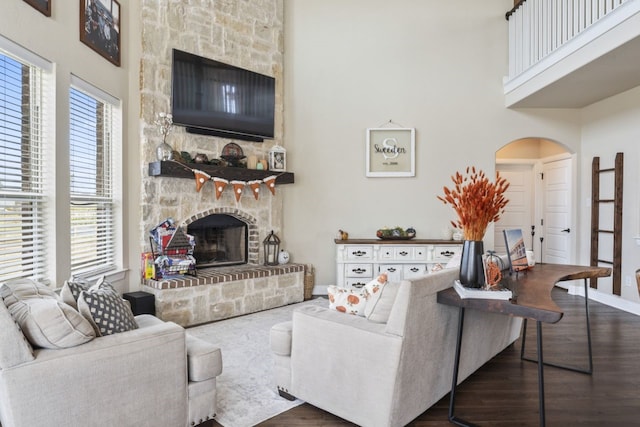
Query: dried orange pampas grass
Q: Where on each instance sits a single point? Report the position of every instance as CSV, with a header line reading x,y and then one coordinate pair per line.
x,y
476,201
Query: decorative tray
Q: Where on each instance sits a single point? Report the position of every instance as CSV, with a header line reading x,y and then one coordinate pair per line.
x,y
396,233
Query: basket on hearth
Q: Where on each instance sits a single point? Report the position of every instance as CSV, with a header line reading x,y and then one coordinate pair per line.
x,y
309,281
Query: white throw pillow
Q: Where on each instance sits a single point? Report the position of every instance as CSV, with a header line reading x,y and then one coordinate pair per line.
x,y
45,321
350,301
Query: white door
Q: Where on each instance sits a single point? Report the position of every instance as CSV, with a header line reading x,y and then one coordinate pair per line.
x,y
556,212
519,212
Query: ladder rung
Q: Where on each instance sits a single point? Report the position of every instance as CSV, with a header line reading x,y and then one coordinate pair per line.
x,y
605,262
605,200
606,170
605,231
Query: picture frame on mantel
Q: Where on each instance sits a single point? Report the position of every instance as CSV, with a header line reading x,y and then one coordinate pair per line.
x,y
100,27
391,152
42,6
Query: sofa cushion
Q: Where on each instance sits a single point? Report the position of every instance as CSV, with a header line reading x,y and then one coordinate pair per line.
x,y
350,301
106,310
381,301
204,360
15,348
45,321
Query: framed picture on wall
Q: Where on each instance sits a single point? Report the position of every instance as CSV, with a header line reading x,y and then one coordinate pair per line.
x,y
42,6
100,27
391,152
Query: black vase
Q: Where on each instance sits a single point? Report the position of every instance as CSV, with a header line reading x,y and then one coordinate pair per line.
x,y
471,272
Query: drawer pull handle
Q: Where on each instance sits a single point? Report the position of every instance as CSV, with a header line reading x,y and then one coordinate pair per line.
x,y
357,285
359,270
404,253
414,269
391,270
446,253
358,253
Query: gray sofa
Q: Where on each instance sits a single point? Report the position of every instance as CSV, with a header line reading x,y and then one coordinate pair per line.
x,y
384,374
156,375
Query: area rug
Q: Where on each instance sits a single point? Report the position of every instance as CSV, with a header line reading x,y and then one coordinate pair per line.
x,y
245,389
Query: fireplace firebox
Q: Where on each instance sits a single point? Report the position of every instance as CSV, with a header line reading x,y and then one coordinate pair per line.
x,y
221,240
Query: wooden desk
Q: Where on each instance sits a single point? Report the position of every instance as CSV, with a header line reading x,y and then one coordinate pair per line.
x,y
532,300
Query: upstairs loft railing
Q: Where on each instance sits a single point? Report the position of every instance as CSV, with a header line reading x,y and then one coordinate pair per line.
x,y
538,28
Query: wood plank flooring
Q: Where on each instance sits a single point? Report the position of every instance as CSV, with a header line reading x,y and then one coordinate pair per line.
x,y
504,392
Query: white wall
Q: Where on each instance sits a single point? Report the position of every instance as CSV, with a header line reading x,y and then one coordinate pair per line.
x,y
611,126
436,66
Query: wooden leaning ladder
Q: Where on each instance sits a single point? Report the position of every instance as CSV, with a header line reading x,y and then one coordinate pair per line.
x,y
596,230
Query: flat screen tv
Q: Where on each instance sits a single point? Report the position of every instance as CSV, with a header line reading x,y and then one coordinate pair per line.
x,y
213,98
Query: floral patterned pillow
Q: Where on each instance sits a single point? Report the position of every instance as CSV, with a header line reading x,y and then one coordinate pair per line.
x,y
350,301
354,301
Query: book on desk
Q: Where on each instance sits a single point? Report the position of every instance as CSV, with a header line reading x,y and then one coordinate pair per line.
x,y
494,292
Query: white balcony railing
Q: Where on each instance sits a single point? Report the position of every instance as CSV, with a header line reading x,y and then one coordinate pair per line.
x,y
537,28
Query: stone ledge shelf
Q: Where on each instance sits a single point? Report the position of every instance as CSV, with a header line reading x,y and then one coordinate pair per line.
x,y
224,292
174,169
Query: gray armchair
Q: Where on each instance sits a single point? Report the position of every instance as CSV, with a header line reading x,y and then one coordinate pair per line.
x,y
156,375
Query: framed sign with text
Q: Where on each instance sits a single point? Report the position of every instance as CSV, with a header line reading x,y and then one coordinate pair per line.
x,y
391,152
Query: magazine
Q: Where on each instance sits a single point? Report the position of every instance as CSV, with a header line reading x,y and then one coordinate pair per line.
x,y
494,292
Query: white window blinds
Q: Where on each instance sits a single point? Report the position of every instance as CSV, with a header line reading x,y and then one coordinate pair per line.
x,y
93,231
22,202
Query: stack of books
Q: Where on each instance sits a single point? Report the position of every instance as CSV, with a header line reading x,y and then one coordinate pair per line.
x,y
495,292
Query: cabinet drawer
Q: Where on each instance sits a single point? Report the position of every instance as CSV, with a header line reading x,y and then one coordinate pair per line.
x,y
445,253
356,283
394,271
359,252
397,253
420,253
410,271
358,270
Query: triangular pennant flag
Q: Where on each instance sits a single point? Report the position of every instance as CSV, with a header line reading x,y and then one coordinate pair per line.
x,y
201,178
219,183
255,187
238,186
271,183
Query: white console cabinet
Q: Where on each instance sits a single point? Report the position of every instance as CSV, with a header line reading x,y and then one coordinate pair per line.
x,y
358,261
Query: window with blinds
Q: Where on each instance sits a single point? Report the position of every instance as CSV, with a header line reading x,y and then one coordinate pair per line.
x,y
22,202
93,231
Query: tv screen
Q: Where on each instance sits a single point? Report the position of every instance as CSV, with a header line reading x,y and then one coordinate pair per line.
x,y
214,98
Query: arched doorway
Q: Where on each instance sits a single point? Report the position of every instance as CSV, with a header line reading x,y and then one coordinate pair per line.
x,y
541,198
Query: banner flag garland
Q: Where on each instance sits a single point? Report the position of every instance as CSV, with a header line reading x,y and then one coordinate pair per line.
x,y
238,186
201,178
220,184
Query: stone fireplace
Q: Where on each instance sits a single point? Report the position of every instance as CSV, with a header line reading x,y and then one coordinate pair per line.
x,y
231,280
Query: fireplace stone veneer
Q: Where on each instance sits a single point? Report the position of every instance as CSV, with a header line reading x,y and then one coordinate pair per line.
x,y
224,292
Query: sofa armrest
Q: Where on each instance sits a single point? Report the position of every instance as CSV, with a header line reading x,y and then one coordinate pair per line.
x,y
340,360
122,379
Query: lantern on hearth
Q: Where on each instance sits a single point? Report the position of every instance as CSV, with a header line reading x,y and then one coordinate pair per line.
x,y
271,249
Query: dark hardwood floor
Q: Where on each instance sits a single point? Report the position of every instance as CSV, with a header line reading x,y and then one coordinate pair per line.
x,y
504,392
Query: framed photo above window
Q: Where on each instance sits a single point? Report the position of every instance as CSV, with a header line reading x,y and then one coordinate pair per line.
x,y
42,6
391,152
100,27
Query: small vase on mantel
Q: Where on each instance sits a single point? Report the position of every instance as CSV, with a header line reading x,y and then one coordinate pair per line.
x,y
471,272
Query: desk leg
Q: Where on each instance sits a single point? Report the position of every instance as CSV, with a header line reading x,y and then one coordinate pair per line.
x,y
569,368
452,400
540,374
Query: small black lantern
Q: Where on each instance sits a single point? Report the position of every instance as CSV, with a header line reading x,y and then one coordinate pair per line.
x,y
271,249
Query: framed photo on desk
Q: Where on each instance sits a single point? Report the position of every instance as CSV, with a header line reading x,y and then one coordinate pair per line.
x,y
516,250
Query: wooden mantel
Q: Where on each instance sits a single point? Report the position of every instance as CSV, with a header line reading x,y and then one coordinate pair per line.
x,y
171,168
